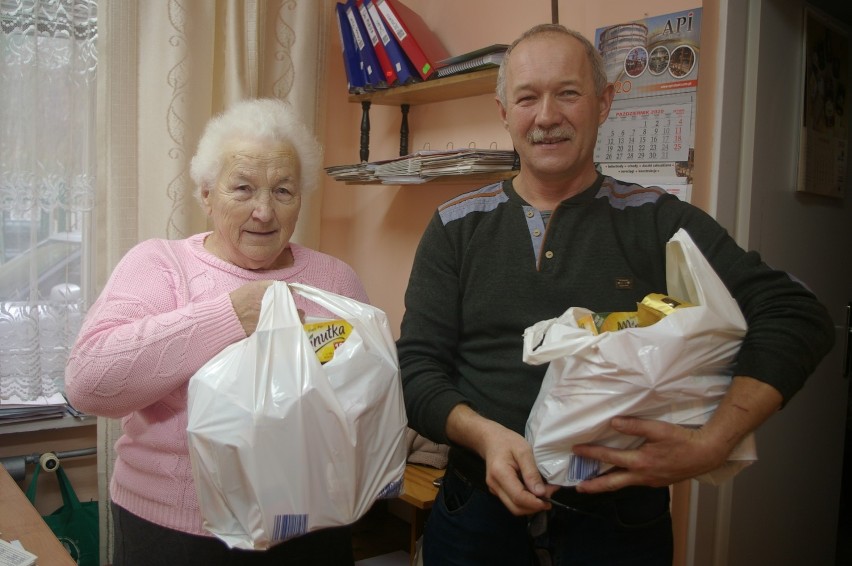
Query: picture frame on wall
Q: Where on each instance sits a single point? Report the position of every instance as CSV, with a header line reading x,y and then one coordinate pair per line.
x,y
824,138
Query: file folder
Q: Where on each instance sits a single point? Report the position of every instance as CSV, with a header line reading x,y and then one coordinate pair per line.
x,y
419,43
351,60
378,47
405,71
372,69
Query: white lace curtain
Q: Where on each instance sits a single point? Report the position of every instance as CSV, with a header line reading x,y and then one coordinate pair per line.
x,y
48,61
165,67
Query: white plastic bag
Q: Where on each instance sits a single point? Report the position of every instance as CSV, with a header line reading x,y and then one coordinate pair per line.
x,y
676,370
282,445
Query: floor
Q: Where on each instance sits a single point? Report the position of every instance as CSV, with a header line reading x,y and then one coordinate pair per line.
x,y
381,538
379,533
398,558
844,522
843,556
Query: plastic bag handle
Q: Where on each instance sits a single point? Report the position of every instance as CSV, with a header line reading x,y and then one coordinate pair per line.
x,y
690,277
338,304
31,489
353,311
69,496
286,315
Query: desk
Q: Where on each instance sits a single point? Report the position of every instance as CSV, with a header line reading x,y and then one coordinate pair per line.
x,y
19,520
419,492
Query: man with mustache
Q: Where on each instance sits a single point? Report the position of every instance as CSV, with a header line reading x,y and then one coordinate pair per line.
x,y
496,260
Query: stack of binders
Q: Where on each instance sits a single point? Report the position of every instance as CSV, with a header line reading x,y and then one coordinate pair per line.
x,y
385,44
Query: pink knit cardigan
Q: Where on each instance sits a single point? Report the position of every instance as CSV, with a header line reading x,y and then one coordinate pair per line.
x,y
163,314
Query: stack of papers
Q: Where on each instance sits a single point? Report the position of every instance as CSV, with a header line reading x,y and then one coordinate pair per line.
x,y
466,162
425,165
13,554
355,173
484,58
15,410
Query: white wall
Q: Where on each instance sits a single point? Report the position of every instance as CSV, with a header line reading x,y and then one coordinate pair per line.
x,y
783,510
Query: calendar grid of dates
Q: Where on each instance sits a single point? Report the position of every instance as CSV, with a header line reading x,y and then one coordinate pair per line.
x,y
645,134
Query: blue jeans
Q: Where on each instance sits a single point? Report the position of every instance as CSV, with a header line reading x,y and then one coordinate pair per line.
x,y
468,526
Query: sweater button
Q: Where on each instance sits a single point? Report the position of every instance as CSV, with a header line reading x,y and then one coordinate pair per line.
x,y
548,254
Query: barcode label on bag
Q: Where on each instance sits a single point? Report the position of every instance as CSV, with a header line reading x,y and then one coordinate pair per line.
x,y
391,490
580,468
285,527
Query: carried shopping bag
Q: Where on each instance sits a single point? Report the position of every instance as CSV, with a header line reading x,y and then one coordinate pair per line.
x,y
75,524
282,444
675,370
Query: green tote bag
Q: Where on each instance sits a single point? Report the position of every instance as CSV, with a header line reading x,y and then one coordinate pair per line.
x,y
75,524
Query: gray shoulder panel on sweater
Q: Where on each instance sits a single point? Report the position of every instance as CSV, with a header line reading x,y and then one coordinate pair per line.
x,y
621,195
484,199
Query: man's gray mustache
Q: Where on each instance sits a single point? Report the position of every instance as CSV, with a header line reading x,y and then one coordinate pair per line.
x,y
538,135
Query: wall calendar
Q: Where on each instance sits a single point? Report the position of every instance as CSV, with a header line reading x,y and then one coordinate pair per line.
x,y
649,137
645,134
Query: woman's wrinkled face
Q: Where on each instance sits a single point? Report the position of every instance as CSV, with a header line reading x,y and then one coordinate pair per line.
x,y
254,204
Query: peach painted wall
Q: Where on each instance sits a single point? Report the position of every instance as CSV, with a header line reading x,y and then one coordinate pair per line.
x,y
376,228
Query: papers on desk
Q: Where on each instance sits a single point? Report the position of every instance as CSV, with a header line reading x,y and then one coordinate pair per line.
x,y
425,165
16,410
13,554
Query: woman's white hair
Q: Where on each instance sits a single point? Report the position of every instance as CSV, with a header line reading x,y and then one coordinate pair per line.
x,y
266,120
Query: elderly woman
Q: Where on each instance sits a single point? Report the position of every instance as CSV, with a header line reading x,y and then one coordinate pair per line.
x,y
171,305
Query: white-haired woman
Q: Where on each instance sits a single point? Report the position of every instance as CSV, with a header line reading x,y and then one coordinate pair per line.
x,y
171,305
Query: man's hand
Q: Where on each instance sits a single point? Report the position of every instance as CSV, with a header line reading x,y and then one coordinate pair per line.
x,y
511,473
673,453
670,454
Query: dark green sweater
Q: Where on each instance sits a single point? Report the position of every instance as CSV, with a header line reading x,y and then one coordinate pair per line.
x,y
486,269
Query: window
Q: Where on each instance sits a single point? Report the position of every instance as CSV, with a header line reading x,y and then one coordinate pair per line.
x,y
48,62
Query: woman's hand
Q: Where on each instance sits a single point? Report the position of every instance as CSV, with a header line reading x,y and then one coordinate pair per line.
x,y
246,301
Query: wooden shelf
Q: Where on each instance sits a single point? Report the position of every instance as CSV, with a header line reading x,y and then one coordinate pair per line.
x,y
479,179
66,421
433,90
